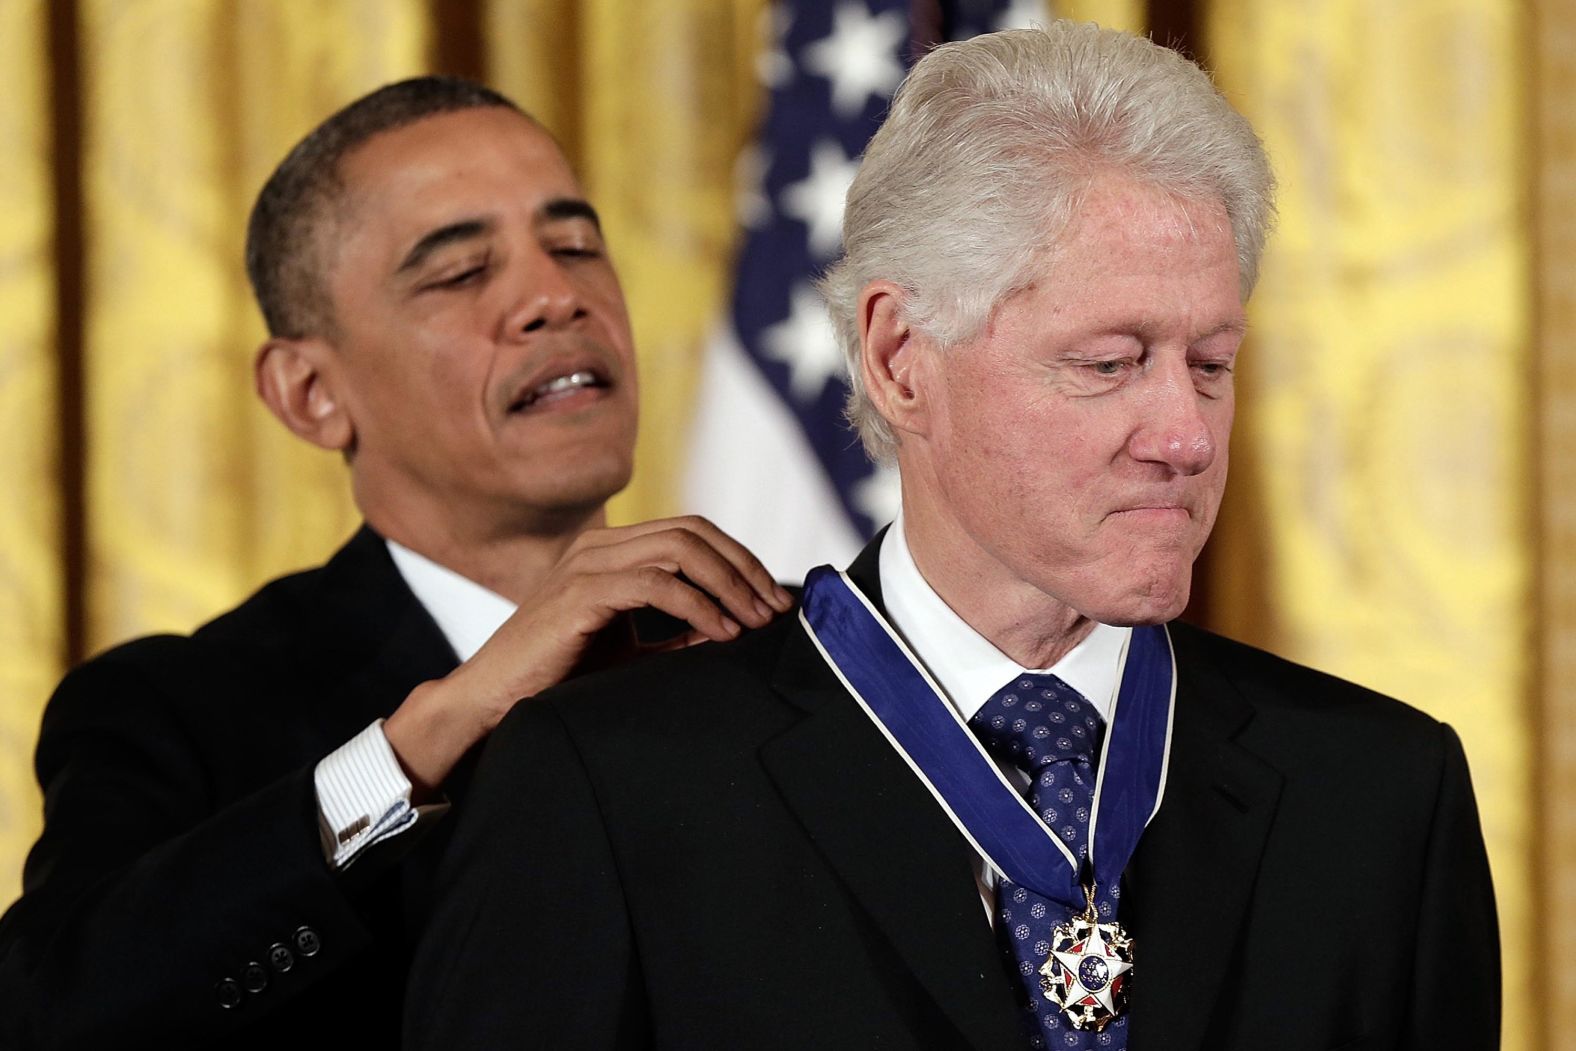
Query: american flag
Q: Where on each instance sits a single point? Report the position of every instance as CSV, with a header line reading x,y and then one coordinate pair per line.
x,y
773,461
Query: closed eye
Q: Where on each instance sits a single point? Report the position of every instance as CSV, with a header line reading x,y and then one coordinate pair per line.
x,y
577,252
469,276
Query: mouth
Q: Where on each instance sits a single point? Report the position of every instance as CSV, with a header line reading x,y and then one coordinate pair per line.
x,y
559,386
1158,512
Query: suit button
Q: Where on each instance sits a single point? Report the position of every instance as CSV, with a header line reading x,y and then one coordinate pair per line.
x,y
307,942
229,993
280,957
255,977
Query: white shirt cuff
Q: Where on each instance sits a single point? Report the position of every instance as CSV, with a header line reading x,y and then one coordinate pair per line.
x,y
363,797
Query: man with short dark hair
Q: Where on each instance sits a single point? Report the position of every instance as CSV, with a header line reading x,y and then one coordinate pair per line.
x,y
985,792
241,825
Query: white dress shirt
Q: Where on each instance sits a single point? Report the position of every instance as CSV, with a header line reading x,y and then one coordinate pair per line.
x,y
363,796
969,669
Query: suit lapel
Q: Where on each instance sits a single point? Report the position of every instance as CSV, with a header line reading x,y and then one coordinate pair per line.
x,y
383,641
892,846
1191,879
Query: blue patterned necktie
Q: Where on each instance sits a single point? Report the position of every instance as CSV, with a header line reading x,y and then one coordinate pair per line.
x,y
1045,728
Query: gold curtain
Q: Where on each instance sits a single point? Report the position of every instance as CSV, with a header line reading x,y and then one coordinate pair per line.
x,y
32,626
1555,136
1129,15
1378,523
195,495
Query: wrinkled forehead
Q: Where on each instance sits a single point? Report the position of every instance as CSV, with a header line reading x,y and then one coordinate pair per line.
x,y
483,160
493,163
1114,217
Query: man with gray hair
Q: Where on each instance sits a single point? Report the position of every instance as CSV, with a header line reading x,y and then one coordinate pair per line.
x,y
985,791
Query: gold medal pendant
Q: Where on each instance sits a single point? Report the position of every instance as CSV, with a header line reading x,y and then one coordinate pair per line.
x,y
1089,969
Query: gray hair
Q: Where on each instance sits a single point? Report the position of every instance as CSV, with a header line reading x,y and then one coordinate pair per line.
x,y
984,157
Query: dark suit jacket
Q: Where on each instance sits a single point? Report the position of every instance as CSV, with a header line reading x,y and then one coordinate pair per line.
x,y
718,849
180,839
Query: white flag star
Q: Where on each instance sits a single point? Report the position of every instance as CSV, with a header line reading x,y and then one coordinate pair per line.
x,y
879,496
860,57
805,342
817,199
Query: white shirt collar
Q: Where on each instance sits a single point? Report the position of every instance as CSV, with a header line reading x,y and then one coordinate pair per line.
x,y
962,661
465,612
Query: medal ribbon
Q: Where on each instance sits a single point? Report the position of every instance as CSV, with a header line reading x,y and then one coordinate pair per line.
x,y
910,710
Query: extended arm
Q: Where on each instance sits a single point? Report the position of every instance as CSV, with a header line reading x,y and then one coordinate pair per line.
x,y
685,567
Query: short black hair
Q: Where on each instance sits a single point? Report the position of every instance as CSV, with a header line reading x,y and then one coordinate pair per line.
x,y
282,253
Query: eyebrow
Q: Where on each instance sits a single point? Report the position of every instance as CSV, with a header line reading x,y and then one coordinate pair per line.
x,y
1239,325
464,230
561,208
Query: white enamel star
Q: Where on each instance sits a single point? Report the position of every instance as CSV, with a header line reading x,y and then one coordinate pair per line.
x,y
1086,973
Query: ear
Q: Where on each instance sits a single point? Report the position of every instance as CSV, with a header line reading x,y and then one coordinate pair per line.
x,y
298,379
890,350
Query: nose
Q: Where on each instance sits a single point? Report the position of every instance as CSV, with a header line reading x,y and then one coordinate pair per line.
x,y
1175,429
545,297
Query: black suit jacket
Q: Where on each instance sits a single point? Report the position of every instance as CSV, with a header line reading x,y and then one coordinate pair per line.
x,y
180,840
718,849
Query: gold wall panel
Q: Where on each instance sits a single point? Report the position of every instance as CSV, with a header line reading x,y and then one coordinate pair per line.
x,y
1378,518
195,495
1129,15
32,620
1555,37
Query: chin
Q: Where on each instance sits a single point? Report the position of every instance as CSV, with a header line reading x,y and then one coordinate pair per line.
x,y
1152,600
592,474
1138,616
566,499
592,492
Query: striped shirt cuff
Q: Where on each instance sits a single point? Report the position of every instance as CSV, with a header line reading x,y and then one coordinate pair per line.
x,y
363,797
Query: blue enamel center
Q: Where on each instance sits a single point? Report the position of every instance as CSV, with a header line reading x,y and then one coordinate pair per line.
x,y
1092,973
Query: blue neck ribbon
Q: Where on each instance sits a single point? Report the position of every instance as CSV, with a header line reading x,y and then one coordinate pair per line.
x,y
908,707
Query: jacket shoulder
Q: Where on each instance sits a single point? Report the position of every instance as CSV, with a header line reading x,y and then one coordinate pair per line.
x,y
692,694
274,654
132,680
1301,706
276,609
287,622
